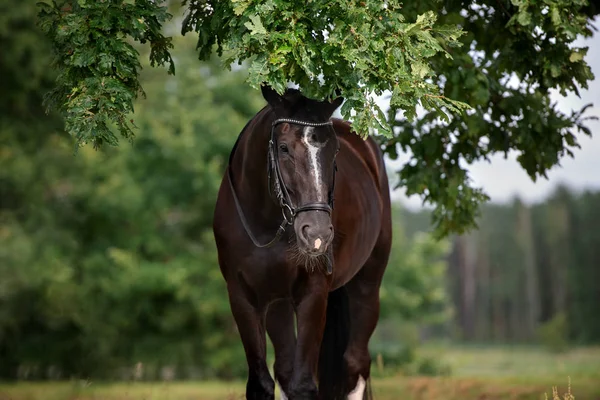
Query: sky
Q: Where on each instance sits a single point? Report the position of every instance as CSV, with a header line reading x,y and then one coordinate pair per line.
x,y
503,179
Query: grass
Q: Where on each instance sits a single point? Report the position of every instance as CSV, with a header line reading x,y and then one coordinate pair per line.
x,y
123,391
517,361
480,373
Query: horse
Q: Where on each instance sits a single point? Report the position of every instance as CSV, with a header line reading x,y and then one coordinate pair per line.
x,y
302,225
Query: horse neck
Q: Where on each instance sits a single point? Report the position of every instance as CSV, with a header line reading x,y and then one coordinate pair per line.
x,y
251,180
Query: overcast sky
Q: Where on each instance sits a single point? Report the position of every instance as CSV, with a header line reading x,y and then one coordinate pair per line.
x,y
503,179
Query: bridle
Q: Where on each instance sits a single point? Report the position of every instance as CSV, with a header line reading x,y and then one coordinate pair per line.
x,y
288,210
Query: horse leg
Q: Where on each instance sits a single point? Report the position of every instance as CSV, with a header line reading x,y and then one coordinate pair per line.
x,y
364,311
311,306
250,323
280,327
363,297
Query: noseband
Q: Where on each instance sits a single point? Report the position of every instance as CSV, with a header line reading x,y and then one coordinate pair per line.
x,y
285,202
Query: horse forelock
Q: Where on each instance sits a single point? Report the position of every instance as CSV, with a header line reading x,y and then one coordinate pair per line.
x,y
300,107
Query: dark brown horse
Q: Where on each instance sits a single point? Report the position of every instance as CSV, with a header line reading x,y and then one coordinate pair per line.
x,y
286,250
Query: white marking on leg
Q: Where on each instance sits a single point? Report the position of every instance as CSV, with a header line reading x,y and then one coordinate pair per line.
x,y
283,396
314,167
357,393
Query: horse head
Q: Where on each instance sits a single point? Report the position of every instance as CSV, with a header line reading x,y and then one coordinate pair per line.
x,y
302,152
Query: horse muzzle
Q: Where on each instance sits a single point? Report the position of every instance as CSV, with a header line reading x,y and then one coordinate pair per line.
x,y
314,232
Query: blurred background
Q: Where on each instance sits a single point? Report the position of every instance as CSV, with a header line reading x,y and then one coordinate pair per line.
x,y
110,287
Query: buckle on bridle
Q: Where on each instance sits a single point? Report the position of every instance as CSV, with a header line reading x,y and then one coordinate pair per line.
x,y
290,215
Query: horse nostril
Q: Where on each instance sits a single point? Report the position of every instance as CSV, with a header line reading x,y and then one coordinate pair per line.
x,y
315,236
304,231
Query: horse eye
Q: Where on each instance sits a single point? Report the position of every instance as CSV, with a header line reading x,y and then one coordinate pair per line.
x,y
283,147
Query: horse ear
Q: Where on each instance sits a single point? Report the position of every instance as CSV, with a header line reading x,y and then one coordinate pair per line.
x,y
331,106
271,96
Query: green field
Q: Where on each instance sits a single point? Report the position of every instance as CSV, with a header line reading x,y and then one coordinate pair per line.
x,y
477,373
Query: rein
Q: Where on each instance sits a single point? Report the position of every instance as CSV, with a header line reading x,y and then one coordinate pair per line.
x,y
288,211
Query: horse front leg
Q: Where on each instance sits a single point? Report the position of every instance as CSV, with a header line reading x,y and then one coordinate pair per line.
x,y
251,325
280,327
311,309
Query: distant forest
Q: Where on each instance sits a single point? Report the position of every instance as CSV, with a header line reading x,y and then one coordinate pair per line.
x,y
526,267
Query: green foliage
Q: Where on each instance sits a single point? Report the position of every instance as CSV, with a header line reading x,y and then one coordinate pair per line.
x,y
413,298
351,49
554,334
107,258
583,272
394,345
403,357
98,67
446,58
326,53
526,265
413,288
432,366
513,55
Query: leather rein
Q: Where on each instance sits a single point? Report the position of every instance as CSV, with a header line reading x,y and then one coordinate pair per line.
x,y
288,210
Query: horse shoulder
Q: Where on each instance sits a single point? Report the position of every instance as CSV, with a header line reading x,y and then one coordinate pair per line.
x,y
366,150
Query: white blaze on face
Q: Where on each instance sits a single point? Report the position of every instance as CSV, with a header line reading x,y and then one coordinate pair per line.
x,y
314,166
357,393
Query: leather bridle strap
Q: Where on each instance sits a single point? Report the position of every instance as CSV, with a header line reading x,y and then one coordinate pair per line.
x,y
280,230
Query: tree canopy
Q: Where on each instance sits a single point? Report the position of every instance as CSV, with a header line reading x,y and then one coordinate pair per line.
x,y
457,60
